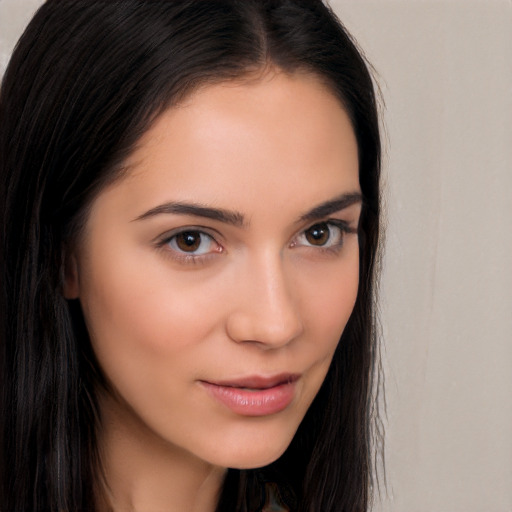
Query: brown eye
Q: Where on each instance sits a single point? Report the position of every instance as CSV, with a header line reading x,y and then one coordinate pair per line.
x,y
195,243
323,235
318,234
188,241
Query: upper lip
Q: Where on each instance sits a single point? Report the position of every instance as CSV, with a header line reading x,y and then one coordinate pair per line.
x,y
257,381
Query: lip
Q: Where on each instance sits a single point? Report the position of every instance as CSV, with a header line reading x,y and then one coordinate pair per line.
x,y
254,395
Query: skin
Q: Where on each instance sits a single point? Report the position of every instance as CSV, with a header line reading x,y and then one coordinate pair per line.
x,y
261,296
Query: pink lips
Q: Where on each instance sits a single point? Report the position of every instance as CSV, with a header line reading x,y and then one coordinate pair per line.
x,y
255,396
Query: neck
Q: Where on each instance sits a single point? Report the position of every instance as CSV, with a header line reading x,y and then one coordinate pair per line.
x,y
143,472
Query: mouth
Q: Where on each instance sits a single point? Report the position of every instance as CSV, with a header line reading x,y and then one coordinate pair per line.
x,y
258,383
254,395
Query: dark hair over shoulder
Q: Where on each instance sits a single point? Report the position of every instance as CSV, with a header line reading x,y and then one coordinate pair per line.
x,y
85,81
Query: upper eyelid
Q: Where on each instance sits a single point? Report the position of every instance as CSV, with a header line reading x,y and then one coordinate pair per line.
x,y
340,223
167,235
347,225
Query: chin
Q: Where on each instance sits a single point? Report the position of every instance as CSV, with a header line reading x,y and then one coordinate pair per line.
x,y
257,460
250,461
249,453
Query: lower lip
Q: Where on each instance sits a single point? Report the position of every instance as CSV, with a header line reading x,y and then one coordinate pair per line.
x,y
258,402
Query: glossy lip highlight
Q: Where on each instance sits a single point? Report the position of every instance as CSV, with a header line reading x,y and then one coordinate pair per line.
x,y
254,395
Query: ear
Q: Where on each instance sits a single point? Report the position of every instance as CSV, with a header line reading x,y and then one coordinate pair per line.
x,y
70,281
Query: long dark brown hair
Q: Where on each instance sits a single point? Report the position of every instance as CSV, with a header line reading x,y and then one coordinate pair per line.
x,y
86,80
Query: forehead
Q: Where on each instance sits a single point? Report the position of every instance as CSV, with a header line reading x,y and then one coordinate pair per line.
x,y
270,102
240,143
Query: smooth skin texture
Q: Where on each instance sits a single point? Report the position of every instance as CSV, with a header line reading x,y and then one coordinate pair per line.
x,y
264,287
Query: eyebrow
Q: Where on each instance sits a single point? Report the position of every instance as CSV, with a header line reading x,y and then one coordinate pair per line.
x,y
237,219
332,206
196,210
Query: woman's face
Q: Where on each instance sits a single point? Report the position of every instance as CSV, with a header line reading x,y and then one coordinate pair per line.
x,y
217,276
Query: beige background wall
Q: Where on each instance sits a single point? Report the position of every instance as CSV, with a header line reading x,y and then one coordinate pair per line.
x,y
445,69
446,75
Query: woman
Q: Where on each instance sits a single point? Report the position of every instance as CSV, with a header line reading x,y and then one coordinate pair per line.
x,y
190,212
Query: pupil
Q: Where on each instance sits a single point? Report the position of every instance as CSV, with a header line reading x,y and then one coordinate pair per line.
x,y
188,241
318,235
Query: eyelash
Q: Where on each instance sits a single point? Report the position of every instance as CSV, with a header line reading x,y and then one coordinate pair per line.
x,y
341,226
181,256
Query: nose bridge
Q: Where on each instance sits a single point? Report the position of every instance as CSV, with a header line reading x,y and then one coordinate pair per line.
x,y
267,312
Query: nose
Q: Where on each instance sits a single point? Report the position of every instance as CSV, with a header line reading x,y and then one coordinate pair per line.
x,y
266,311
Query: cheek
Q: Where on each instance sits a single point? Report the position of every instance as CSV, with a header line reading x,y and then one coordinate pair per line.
x,y
327,301
330,301
144,325
133,298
